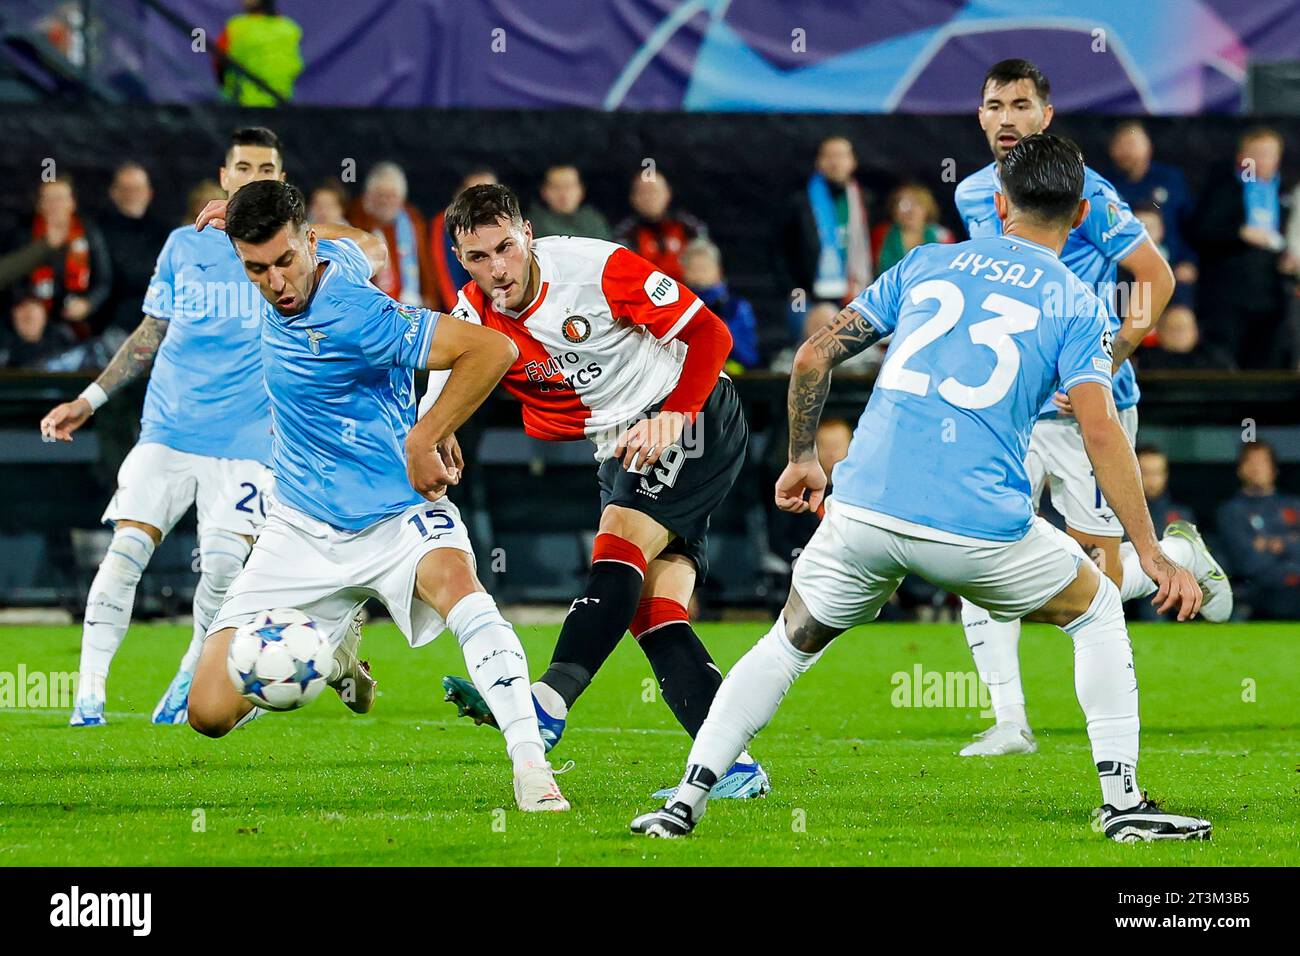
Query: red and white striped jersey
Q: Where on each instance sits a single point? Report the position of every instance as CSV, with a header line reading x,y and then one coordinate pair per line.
x,y
596,346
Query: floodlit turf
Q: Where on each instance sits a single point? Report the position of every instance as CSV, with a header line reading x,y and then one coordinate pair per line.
x,y
857,779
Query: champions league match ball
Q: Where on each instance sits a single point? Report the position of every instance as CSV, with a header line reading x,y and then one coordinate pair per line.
x,y
279,660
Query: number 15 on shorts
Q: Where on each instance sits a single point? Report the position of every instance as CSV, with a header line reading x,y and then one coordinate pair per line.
x,y
432,524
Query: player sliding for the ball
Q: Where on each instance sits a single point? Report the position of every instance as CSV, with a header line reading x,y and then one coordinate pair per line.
x,y
347,522
613,350
984,332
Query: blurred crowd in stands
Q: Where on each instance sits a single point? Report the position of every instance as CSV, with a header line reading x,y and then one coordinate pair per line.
x,y
73,277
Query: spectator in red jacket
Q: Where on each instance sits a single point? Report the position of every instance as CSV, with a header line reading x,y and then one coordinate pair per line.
x,y
382,209
656,231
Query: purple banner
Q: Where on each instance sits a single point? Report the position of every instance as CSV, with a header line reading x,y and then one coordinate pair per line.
x,y
1157,56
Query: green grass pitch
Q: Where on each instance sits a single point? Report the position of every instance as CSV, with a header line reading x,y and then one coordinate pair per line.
x,y
856,779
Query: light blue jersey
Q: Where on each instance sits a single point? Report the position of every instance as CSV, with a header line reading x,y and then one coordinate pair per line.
x,y
1092,251
984,331
343,394
205,392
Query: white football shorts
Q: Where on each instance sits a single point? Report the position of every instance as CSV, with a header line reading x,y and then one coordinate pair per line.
x,y
1056,455
328,574
851,567
157,484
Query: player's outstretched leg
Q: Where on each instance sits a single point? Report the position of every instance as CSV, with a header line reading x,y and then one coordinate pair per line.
x,y
215,707
746,701
445,580
596,622
687,676
108,614
221,557
1184,544
1089,610
995,645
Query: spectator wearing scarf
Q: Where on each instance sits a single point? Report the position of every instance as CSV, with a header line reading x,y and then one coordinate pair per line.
x,y
64,265
824,246
913,215
1238,228
382,209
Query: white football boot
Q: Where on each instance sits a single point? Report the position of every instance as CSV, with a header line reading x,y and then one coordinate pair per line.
x,y
1216,607
536,790
352,681
1003,738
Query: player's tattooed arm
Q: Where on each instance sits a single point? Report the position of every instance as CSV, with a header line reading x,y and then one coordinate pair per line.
x,y
810,379
849,334
135,357
808,391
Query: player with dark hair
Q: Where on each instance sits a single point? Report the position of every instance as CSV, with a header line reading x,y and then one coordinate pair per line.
x,y
984,332
205,435
338,356
614,350
1016,103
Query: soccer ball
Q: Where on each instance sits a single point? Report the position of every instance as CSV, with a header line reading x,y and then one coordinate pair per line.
x,y
279,660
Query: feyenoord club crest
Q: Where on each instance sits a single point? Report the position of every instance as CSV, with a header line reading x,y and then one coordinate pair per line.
x,y
576,329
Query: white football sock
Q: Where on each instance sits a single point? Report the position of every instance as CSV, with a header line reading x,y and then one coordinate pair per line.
x,y
746,701
221,557
995,645
248,718
499,669
1179,550
1135,583
1106,685
108,608
1119,785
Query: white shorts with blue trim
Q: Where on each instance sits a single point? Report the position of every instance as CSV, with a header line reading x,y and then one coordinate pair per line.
x,y
851,567
328,574
156,485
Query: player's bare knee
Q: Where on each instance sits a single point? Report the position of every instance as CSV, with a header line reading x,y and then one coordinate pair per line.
x,y
207,715
444,577
670,576
209,727
637,527
1072,601
1103,552
804,632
